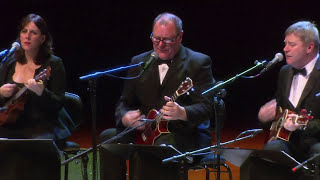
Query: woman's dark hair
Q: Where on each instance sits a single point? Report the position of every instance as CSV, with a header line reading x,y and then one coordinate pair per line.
x,y
45,49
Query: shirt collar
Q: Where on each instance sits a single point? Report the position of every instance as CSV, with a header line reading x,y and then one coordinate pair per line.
x,y
309,67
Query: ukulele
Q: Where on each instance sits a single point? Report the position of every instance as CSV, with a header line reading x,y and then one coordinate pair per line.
x,y
277,131
160,126
15,104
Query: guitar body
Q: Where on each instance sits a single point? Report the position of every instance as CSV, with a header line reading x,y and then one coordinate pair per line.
x,y
152,130
277,130
10,115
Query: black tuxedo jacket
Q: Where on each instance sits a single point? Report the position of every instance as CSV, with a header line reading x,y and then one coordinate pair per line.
x,y
310,100
146,93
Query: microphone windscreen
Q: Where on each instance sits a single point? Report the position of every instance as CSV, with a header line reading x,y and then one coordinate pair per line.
x,y
155,55
279,56
16,45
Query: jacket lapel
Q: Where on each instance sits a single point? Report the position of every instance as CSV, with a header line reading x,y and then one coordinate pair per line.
x,y
288,82
175,66
311,82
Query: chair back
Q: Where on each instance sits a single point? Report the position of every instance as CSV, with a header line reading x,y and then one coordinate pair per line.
x,y
74,107
70,116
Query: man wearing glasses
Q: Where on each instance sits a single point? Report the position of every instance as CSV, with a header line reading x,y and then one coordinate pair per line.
x,y
188,117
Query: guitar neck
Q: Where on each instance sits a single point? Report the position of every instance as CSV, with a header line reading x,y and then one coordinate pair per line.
x,y
174,97
16,96
160,115
183,88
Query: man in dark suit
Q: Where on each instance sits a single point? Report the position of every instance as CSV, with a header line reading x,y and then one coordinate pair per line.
x,y
298,88
189,116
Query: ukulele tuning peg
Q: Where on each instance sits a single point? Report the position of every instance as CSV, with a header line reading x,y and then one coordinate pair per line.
x,y
190,91
303,112
310,117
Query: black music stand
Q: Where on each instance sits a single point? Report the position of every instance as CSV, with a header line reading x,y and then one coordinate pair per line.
x,y
148,158
276,164
127,150
35,159
238,156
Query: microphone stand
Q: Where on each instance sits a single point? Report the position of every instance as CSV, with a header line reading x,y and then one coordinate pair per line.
x,y
105,142
98,74
92,88
206,148
95,148
93,99
219,105
223,83
219,109
3,55
315,158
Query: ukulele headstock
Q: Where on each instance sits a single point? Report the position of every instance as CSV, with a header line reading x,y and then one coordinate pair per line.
x,y
304,117
43,74
185,86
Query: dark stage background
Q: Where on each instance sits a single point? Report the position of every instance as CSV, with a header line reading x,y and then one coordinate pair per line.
x,y
100,35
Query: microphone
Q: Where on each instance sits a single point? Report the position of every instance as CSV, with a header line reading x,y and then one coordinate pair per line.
x,y
153,57
277,58
15,46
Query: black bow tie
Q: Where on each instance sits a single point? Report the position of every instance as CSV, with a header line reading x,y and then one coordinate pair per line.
x,y
302,71
159,61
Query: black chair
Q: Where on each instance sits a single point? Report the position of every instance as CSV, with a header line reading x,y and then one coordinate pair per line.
x,y
74,108
210,164
209,161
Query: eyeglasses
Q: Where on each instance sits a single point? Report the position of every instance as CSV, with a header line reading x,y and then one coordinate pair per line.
x,y
164,41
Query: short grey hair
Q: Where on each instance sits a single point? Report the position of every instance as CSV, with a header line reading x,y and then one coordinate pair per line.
x,y
307,31
166,17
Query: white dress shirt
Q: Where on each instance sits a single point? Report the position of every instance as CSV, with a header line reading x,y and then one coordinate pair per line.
x,y
163,69
299,82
